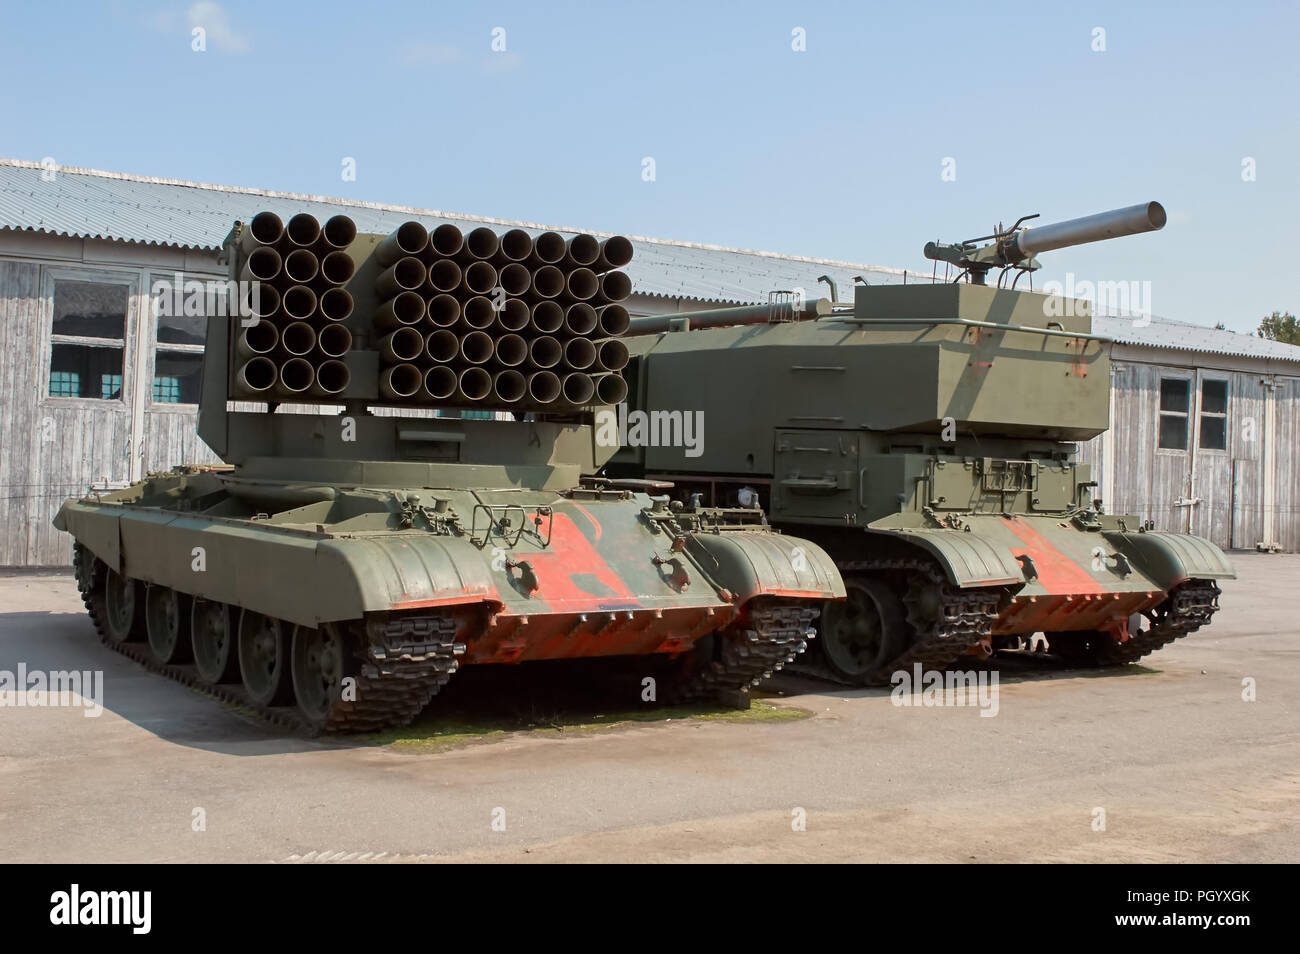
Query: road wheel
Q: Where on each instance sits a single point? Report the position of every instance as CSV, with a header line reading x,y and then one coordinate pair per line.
x,y
263,659
864,632
320,661
167,618
213,639
88,569
123,608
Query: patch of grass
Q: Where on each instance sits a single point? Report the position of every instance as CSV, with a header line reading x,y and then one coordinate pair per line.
x,y
435,733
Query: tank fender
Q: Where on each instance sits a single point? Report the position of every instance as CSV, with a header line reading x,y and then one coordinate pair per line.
x,y
1171,558
766,564
404,572
968,559
96,528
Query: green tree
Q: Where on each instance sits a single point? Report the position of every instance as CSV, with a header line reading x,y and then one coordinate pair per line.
x,y
1280,326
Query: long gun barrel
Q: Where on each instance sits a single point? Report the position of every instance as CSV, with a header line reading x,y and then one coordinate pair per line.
x,y
1145,217
1018,246
726,317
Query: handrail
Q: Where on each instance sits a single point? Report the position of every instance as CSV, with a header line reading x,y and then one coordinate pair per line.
x,y
968,323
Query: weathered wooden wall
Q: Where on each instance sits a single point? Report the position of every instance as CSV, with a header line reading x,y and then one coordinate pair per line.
x,y
1288,463
1228,485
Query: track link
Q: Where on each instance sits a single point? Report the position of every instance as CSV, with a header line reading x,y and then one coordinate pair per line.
x,y
1189,606
746,652
964,619
405,663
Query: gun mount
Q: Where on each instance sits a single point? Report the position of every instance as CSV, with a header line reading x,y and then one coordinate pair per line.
x,y
1016,247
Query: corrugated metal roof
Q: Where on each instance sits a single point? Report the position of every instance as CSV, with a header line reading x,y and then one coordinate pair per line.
x,y
1182,336
109,205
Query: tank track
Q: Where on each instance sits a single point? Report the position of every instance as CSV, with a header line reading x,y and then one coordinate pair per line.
x,y
407,661
752,649
964,621
1189,606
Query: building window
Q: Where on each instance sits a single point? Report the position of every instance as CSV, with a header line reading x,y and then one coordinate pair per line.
x,y
88,339
1214,415
166,390
110,387
1175,397
65,384
178,358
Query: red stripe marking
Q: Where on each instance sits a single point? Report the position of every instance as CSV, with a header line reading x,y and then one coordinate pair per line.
x,y
572,554
1057,573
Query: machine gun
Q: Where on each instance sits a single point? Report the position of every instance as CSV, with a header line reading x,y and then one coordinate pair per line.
x,y
1016,247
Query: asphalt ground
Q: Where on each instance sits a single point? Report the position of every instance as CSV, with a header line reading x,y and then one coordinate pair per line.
x,y
1168,761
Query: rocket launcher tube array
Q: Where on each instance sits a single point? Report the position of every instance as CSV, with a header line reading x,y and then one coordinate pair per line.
x,y
469,318
524,311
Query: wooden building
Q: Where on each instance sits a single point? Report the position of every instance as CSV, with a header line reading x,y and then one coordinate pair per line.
x,y
1205,433
97,388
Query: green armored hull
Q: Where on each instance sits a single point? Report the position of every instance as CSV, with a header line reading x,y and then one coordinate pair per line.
x,y
346,564
924,437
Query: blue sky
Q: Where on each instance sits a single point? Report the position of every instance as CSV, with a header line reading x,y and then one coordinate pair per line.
x,y
834,152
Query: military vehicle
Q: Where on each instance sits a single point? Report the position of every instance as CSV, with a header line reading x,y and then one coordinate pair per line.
x,y
350,557
925,437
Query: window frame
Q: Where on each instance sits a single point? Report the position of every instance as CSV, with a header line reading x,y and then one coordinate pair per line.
x,y
51,275
1226,414
1163,374
153,345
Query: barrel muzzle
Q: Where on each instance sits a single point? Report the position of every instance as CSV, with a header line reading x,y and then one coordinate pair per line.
x,y
444,310
338,232
406,274
544,387
445,241
509,386
297,375
409,238
332,378
439,383
298,302
257,375
335,304
302,231
442,346
334,341
301,266
615,252
404,344
475,384
337,268
401,381
581,251
406,309
610,389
